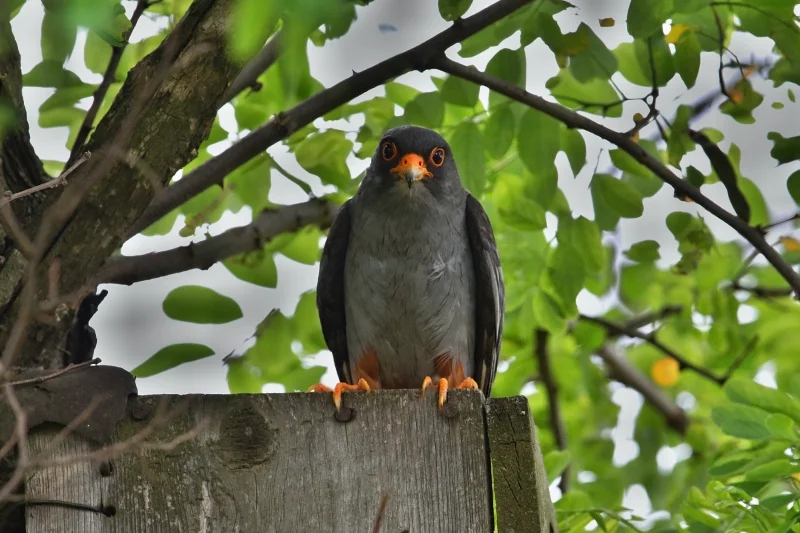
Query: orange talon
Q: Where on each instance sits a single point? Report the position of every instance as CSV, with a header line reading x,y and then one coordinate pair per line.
x,y
319,387
342,387
468,383
442,392
425,384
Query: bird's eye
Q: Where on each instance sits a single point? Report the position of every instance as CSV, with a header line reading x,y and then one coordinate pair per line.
x,y
437,157
388,151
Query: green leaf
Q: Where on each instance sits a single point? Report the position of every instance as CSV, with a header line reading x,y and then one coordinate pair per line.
x,y
256,267
645,17
634,62
623,199
301,246
201,305
741,421
586,238
595,61
252,181
460,92
58,37
453,9
67,97
51,74
679,143
742,102
426,109
468,151
399,93
499,131
644,252
538,142
515,205
749,392
687,58
567,273
596,96
781,468
793,185
574,146
782,427
555,462
163,225
508,65
785,150
170,357
547,313
325,155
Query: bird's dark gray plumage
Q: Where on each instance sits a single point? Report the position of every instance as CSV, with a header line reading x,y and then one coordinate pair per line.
x,y
410,283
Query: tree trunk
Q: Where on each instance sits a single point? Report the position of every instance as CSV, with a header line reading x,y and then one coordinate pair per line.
x,y
170,128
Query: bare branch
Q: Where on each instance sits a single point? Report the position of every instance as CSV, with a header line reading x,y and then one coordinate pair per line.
x,y
249,75
651,339
108,78
269,224
551,386
40,379
9,197
214,170
575,120
621,370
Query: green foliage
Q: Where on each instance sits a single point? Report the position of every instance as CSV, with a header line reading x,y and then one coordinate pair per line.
x,y
170,357
201,305
741,470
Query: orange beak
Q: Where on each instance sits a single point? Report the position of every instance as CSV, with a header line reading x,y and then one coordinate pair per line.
x,y
412,168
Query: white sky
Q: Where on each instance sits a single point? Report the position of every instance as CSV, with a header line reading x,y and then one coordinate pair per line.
x,y
131,325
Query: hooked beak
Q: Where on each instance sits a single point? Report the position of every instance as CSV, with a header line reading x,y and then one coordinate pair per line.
x,y
412,168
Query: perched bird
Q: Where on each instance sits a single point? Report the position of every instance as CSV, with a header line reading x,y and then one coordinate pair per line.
x,y
410,290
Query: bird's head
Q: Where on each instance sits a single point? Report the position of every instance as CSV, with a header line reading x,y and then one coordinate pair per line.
x,y
410,159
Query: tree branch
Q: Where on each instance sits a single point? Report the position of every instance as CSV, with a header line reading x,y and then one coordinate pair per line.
x,y
108,78
284,124
575,120
249,75
651,339
269,224
619,369
551,386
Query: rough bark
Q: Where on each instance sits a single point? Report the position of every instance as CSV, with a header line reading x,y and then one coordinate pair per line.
x,y
20,169
170,128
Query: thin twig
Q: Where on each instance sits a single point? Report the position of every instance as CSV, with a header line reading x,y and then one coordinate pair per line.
x,y
41,379
21,437
746,351
551,386
249,75
576,120
55,182
651,339
108,79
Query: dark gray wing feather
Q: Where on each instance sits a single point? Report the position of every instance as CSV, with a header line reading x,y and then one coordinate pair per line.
x,y
330,291
490,293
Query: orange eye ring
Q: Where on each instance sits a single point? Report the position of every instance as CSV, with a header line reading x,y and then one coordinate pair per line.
x,y
388,151
437,157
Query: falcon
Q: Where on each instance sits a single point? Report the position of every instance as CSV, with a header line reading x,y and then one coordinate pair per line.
x,y
410,290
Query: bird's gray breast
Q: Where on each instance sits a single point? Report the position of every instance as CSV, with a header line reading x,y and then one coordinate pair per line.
x,y
409,287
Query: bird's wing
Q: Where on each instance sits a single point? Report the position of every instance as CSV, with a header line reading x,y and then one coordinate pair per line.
x,y
330,291
490,294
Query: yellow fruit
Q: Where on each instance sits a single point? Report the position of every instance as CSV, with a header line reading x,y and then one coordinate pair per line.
x,y
665,371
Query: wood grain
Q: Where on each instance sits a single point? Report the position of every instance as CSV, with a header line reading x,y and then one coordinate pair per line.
x,y
282,463
522,496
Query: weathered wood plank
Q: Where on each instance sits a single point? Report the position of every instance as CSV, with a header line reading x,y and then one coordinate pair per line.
x,y
282,463
522,497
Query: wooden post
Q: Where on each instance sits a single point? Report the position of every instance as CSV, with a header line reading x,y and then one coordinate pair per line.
x,y
284,463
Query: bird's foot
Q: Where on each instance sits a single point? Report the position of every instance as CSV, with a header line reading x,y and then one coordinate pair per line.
x,y
468,383
339,388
